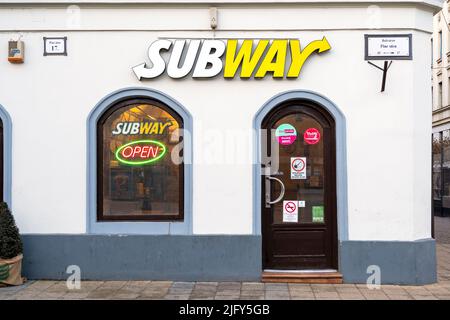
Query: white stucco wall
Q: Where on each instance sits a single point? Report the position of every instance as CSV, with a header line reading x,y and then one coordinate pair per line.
x,y
388,134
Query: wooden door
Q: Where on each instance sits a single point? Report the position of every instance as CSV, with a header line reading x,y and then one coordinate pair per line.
x,y
301,176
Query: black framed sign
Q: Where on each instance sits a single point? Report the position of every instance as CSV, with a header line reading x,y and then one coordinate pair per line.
x,y
55,46
388,46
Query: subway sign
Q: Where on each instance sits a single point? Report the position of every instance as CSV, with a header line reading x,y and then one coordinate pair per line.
x,y
278,58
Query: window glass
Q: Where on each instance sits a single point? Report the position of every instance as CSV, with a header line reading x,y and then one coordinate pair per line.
x,y
309,191
445,170
437,166
140,165
1,160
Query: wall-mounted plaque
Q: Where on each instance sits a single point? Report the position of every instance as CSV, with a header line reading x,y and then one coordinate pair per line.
x,y
388,46
55,46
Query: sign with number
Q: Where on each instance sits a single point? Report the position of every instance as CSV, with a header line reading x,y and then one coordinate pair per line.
x,y
56,46
298,168
388,46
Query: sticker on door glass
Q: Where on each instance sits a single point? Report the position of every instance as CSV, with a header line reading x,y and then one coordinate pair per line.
x,y
286,134
290,211
311,136
298,168
317,214
302,204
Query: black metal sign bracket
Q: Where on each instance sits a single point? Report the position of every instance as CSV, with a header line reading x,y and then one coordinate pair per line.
x,y
385,69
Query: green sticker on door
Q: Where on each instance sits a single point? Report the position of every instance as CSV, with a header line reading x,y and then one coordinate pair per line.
x,y
317,213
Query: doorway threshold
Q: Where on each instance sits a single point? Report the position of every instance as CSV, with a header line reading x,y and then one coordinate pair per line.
x,y
320,276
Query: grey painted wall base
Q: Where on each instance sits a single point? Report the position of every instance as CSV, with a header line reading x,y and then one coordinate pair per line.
x,y
400,262
143,257
210,258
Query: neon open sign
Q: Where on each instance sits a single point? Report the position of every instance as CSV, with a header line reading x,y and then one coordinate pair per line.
x,y
140,152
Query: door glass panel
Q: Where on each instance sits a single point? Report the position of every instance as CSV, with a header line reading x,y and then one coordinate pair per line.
x,y
309,191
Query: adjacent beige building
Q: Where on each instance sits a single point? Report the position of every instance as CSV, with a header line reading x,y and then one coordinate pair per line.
x,y
441,110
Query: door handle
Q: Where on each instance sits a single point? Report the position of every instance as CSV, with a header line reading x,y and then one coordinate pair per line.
x,y
283,189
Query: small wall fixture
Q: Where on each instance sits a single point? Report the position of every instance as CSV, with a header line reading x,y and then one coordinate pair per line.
x,y
213,17
16,51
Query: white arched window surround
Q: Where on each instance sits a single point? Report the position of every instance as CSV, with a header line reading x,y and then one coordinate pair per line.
x,y
7,152
136,227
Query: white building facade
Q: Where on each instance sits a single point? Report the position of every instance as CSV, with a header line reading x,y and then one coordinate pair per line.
x,y
352,163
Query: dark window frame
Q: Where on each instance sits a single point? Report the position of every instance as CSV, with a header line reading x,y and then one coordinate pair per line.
x,y
100,123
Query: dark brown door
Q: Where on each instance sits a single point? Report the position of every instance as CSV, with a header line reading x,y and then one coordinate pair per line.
x,y
299,222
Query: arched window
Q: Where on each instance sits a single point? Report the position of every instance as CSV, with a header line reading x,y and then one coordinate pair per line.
x,y
140,173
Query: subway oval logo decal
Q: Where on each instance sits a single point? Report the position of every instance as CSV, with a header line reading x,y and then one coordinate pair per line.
x,y
140,152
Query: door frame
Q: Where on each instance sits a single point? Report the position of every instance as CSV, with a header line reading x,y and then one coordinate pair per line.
x,y
7,154
341,158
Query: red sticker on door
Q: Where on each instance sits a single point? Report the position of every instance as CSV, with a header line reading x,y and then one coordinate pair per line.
x,y
311,136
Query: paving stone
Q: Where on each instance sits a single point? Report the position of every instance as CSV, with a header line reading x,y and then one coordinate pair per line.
x,y
153,294
76,295
424,297
23,296
301,295
255,292
127,296
112,284
154,291
221,297
229,286
276,297
252,286
255,298
101,294
323,288
184,285
276,286
326,295
173,290
400,297
303,298
176,297
207,283
228,292
348,290
139,283
376,296
49,295
349,296
40,285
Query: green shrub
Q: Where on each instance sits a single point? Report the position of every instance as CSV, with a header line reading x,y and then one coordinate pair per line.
x,y
10,241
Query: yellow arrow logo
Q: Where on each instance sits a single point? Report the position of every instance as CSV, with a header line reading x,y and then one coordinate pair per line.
x,y
299,56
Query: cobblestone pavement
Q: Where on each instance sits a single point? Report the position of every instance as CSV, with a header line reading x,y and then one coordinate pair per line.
x,y
244,290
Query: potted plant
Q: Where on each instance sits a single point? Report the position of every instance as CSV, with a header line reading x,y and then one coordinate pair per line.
x,y
11,249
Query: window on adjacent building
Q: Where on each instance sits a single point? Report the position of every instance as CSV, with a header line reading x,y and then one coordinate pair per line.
x,y
1,160
440,45
432,53
440,95
139,162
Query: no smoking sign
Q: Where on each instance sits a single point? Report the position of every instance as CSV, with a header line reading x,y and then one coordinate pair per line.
x,y
298,168
290,211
